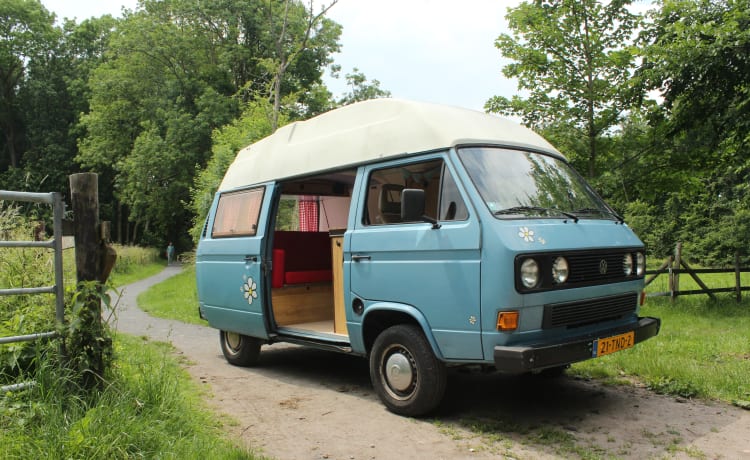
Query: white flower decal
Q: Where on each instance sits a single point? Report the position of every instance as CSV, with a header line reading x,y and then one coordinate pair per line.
x,y
526,234
249,289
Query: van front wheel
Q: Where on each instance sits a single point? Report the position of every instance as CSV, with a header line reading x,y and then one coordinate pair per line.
x,y
407,376
238,349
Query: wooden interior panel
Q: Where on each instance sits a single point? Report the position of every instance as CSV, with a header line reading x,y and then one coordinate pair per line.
x,y
302,303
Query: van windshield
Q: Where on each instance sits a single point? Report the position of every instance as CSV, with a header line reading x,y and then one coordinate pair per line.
x,y
516,184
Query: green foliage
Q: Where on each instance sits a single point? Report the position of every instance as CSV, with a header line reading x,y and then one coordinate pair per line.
x,y
22,268
254,124
148,409
175,73
576,60
697,57
86,337
361,89
26,34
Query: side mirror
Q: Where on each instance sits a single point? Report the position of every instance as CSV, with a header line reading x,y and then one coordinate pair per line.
x,y
412,207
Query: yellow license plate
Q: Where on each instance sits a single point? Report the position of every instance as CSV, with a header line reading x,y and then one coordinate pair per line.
x,y
615,343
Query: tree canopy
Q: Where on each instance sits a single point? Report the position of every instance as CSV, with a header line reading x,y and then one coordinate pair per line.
x,y
148,100
676,162
652,106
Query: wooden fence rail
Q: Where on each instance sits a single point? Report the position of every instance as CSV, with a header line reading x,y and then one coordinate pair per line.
x,y
675,265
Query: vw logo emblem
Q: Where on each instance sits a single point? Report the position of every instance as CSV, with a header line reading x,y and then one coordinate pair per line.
x,y
603,267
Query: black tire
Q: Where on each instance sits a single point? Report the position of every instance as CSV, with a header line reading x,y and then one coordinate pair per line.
x,y
238,349
416,382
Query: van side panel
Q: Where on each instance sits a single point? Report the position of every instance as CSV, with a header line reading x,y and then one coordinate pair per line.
x,y
435,271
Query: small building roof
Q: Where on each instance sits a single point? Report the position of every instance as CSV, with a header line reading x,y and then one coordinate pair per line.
x,y
368,131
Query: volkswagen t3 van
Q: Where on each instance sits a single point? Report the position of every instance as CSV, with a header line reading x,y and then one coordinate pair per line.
x,y
420,237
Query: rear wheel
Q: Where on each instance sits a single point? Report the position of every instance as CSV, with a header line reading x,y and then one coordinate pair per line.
x,y
239,349
407,376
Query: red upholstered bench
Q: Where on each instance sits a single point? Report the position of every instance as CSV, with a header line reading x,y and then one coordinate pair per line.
x,y
301,257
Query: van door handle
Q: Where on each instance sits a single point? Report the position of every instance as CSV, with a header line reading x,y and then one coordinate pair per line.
x,y
358,257
251,258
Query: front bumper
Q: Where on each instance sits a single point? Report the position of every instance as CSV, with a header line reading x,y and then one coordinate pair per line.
x,y
522,359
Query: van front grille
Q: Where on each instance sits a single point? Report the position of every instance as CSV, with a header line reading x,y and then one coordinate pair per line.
x,y
576,314
585,268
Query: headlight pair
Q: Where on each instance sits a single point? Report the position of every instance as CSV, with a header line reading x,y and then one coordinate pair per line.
x,y
530,273
631,262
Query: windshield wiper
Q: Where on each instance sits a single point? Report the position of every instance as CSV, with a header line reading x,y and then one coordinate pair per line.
x,y
524,209
600,211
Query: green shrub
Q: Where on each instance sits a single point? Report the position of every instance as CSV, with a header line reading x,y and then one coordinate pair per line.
x,y
26,314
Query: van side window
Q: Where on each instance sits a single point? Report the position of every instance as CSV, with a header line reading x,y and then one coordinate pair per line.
x,y
452,206
385,185
237,213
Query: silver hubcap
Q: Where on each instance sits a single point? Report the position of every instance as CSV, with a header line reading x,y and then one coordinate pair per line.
x,y
233,340
398,372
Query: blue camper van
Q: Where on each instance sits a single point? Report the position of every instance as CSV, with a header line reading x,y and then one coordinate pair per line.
x,y
421,237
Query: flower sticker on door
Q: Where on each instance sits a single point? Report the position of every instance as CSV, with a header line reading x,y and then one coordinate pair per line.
x,y
249,289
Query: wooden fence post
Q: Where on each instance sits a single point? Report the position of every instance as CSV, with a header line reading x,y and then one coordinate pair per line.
x,y
84,194
90,345
737,282
675,284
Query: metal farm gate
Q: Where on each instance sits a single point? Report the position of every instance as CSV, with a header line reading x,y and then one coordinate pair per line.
x,y
55,200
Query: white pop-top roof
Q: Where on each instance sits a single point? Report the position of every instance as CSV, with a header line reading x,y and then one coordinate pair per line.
x,y
368,131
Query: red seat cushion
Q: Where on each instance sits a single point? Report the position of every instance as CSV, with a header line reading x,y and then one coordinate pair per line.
x,y
309,276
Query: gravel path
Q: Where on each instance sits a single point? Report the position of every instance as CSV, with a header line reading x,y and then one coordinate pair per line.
x,y
301,403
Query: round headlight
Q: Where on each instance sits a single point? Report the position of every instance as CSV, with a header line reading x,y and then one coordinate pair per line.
x,y
530,273
627,264
560,270
640,263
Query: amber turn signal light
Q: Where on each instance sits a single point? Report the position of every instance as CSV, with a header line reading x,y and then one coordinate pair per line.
x,y
507,321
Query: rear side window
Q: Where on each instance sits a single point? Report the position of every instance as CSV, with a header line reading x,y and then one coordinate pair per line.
x,y
237,214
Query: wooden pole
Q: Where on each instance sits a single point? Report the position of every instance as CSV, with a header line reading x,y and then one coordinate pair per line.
x,y
84,194
676,275
737,282
90,346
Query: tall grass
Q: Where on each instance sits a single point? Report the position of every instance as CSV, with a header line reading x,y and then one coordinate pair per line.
x,y
34,267
149,408
134,263
702,350
22,268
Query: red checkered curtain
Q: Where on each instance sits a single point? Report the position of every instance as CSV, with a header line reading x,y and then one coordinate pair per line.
x,y
308,213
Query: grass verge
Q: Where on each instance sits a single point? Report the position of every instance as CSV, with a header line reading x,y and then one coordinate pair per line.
x,y
702,350
150,408
135,263
174,298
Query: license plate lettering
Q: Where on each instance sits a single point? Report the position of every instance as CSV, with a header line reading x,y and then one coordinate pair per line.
x,y
609,345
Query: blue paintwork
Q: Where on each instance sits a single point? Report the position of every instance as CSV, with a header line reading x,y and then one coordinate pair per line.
x,y
502,242
434,271
223,268
452,281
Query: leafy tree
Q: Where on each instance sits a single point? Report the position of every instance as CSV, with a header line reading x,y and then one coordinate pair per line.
x,y
255,123
361,89
576,61
26,35
175,72
698,56
301,37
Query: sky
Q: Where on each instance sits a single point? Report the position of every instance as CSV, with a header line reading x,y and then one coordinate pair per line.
x,y
439,51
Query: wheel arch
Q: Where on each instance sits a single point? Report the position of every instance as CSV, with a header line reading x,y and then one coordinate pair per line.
x,y
380,316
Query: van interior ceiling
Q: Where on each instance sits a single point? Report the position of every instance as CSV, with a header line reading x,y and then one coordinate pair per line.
x,y
307,291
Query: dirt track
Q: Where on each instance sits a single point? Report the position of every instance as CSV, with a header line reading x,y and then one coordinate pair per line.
x,y
308,404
